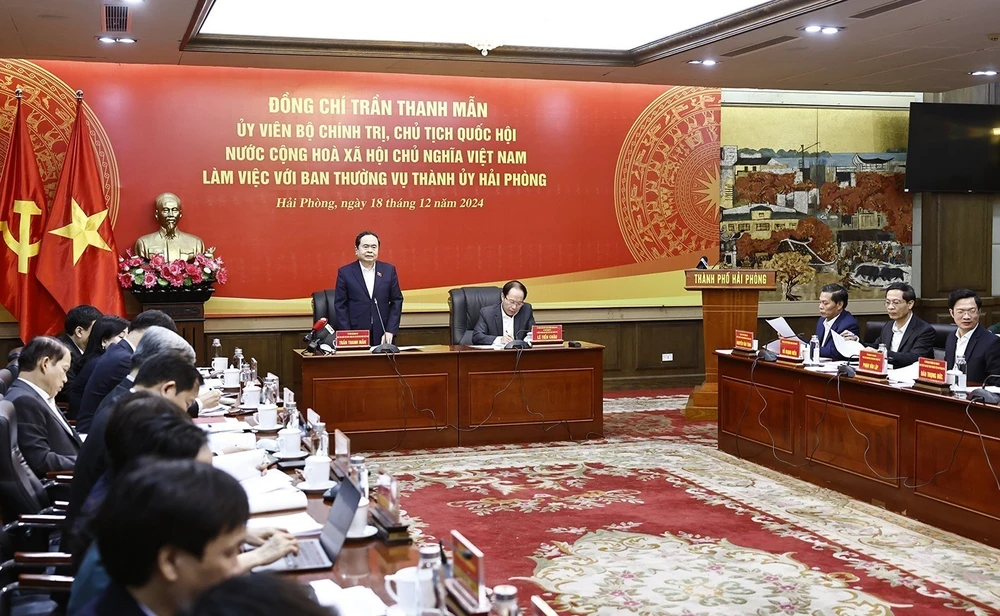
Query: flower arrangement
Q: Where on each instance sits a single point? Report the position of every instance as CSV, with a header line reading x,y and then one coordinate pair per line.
x,y
200,271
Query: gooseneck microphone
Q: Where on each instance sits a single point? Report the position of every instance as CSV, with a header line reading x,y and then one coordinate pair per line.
x,y
315,338
318,325
385,347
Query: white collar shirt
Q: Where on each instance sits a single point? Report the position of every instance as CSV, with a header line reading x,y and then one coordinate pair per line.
x,y
827,327
368,273
51,402
963,341
899,332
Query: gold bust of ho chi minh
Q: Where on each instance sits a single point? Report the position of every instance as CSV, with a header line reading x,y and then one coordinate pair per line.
x,y
169,241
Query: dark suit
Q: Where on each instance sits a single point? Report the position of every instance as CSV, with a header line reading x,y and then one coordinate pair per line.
x,y
91,463
982,354
918,341
845,322
114,600
77,388
44,441
355,309
111,368
75,354
490,323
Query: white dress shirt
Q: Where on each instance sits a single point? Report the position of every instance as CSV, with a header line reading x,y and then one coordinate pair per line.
x,y
369,275
898,333
963,342
508,326
51,401
827,325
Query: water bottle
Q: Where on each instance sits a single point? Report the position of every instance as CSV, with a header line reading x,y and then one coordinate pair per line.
x,y
961,371
427,576
238,358
360,471
293,416
216,348
814,349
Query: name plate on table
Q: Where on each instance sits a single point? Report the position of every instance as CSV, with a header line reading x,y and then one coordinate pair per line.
x,y
546,334
790,350
932,376
353,339
871,365
468,576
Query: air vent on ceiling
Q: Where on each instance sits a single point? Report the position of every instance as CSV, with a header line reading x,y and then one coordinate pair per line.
x,y
759,46
884,8
116,18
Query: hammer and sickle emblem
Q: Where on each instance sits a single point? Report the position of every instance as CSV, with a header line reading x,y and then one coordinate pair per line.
x,y
22,246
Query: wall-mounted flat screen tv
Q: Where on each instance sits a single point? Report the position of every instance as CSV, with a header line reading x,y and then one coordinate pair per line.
x,y
953,148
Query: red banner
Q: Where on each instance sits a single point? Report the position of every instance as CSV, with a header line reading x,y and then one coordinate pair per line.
x,y
465,180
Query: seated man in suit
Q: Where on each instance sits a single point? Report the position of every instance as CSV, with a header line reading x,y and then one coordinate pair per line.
x,y
166,532
511,319
906,336
974,343
367,295
116,362
46,440
833,317
158,369
79,322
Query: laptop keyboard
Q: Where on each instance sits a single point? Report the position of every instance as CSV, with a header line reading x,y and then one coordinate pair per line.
x,y
310,555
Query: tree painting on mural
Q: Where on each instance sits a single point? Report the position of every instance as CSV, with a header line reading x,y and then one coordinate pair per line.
x,y
817,214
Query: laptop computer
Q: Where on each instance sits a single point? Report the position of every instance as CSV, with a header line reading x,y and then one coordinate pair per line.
x,y
321,553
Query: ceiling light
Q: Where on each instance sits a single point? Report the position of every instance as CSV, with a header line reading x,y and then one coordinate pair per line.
x,y
126,40
813,29
694,61
830,30
106,39
709,62
983,73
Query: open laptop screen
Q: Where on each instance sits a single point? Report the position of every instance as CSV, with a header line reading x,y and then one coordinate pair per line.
x,y
340,518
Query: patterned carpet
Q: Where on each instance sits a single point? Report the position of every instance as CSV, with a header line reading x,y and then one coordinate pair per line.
x,y
654,520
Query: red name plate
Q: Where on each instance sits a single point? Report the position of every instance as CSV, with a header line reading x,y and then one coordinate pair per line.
x,y
467,566
871,361
744,340
541,334
790,348
932,370
353,339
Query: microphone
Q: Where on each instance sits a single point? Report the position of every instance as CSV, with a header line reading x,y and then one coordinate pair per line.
x,y
702,263
386,347
517,343
318,325
848,371
984,395
765,354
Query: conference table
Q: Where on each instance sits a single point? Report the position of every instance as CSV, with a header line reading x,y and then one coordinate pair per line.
x,y
915,453
448,396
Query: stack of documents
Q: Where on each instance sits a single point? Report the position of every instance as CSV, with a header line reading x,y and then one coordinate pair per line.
x,y
351,601
299,524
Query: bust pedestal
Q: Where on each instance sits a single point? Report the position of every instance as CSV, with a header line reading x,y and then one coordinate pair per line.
x,y
186,306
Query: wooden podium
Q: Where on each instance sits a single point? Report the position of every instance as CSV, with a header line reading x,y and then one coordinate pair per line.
x,y
729,300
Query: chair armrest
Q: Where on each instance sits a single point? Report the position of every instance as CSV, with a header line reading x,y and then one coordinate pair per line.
x,y
60,504
49,559
39,581
42,518
55,474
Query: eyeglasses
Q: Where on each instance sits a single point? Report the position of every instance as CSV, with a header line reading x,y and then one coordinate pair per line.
x,y
970,312
519,302
368,246
895,302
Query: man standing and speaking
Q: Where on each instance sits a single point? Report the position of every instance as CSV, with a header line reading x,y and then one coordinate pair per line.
x,y
367,294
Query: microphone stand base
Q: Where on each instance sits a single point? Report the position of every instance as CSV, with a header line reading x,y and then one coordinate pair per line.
x,y
386,348
517,344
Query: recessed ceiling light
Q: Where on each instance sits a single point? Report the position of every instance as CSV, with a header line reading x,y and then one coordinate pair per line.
x,y
830,30
813,29
709,62
694,61
106,39
983,73
126,40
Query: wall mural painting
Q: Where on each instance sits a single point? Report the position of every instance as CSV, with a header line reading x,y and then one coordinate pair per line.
x,y
816,194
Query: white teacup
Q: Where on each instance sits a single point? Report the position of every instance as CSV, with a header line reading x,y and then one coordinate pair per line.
x,y
219,364
404,588
267,416
289,441
360,521
251,395
317,470
231,377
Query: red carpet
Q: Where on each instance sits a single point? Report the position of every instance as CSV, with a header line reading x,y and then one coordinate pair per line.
x,y
651,521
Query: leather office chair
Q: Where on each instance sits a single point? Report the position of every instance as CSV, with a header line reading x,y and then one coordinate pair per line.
x,y
464,305
322,303
21,492
6,378
941,333
872,331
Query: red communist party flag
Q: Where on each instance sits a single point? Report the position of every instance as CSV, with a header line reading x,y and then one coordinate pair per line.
x,y
22,223
78,262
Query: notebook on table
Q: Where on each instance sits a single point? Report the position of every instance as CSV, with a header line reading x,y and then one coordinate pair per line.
x,y
321,553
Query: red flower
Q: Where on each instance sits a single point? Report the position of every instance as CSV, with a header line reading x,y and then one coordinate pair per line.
x,y
191,269
125,280
222,275
149,281
157,261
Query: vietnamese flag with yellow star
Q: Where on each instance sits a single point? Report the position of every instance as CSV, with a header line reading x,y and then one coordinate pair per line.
x,y
78,262
22,224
